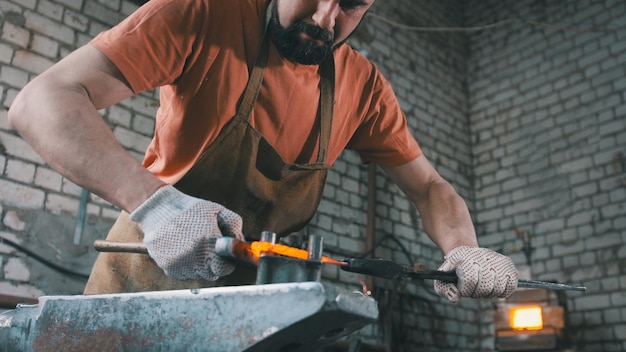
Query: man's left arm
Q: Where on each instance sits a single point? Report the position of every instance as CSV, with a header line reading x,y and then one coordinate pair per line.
x,y
446,219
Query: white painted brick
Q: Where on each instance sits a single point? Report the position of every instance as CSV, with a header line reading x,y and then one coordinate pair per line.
x,y
576,165
108,213
9,96
75,4
550,225
564,249
70,187
9,7
102,13
585,190
28,3
620,330
17,147
82,39
141,104
76,20
21,196
112,4
16,270
613,127
50,9
5,249
56,204
31,62
47,178
131,139
128,8
15,35
20,171
96,28
120,116
6,53
45,46
20,290
46,26
12,221
603,241
143,125
11,236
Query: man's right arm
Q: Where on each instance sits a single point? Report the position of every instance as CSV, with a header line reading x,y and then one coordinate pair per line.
x,y
57,114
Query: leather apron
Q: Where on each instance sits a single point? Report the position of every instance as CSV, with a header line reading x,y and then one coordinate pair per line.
x,y
243,172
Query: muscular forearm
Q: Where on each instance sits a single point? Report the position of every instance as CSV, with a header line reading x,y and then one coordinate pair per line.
x,y
64,127
445,217
444,214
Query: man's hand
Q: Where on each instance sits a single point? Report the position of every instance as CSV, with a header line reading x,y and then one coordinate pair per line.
x,y
482,273
180,233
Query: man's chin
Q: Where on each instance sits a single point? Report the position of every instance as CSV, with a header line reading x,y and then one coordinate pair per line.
x,y
310,41
308,55
306,60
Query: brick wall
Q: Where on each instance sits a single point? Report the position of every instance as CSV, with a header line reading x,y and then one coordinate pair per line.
x,y
547,107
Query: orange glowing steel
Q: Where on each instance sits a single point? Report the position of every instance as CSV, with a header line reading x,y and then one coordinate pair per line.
x,y
255,249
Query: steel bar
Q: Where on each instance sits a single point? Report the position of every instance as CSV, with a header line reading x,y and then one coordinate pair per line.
x,y
549,285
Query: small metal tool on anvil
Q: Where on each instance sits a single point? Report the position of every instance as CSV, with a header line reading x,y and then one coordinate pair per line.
x,y
384,268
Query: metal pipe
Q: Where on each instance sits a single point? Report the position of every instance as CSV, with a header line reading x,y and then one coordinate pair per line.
x,y
315,247
268,236
370,230
80,218
120,247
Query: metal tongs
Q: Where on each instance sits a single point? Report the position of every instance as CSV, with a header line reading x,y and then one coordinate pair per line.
x,y
391,270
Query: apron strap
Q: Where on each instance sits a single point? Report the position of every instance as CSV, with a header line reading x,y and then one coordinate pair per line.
x,y
327,104
256,77
327,89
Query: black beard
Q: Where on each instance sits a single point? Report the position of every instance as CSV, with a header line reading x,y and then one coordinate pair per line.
x,y
292,47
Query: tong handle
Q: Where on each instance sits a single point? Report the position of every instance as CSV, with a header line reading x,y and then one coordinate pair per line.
x,y
386,268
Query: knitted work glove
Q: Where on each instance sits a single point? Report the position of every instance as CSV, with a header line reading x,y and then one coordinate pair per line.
x,y
180,232
482,273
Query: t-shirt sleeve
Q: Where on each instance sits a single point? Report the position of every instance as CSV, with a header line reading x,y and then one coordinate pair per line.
x,y
151,45
383,137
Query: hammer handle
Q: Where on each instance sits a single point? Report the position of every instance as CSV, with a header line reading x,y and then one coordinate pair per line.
x,y
120,247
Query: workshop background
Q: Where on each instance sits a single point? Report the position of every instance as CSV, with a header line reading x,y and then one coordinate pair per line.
x,y
521,105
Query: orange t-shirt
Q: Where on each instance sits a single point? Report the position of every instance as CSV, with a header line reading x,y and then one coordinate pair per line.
x,y
199,51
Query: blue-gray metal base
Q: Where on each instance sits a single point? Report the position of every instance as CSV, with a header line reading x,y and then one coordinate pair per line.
x,y
300,316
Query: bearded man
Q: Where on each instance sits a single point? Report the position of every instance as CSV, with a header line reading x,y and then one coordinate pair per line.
x,y
257,101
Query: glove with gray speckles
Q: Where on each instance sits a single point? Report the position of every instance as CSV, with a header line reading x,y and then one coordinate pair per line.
x,y
482,273
180,233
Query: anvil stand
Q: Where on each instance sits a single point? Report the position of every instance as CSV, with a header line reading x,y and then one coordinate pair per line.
x,y
289,309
